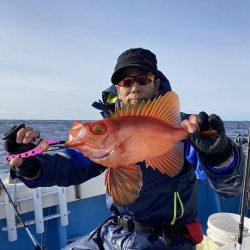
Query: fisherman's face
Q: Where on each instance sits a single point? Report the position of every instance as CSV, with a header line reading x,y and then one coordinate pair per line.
x,y
137,92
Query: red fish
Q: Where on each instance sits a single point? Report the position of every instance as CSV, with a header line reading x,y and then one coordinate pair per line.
x,y
144,131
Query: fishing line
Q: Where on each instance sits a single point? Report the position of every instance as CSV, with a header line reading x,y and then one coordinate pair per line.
x,y
18,215
245,191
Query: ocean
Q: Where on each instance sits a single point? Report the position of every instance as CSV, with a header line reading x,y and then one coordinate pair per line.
x,y
59,129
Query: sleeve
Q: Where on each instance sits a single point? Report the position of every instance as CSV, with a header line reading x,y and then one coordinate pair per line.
x,y
64,168
226,179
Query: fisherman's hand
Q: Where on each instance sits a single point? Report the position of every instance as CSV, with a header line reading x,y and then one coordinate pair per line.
x,y
19,139
215,149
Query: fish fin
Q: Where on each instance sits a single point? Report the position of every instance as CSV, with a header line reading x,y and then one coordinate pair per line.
x,y
123,183
169,163
166,108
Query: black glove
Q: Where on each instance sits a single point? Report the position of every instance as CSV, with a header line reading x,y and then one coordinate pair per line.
x,y
31,165
215,149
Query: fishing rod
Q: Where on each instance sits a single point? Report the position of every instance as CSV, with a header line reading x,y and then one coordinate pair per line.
x,y
245,191
18,215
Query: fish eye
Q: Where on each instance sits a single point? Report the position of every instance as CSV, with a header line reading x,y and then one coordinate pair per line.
x,y
98,128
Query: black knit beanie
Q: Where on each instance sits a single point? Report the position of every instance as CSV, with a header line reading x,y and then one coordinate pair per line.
x,y
140,58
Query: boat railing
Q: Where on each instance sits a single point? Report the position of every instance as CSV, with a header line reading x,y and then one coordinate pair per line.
x,y
27,200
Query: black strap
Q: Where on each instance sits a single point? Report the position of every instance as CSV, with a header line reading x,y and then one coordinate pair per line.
x,y
160,229
168,232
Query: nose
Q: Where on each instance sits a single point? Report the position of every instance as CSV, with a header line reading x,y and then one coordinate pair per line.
x,y
136,88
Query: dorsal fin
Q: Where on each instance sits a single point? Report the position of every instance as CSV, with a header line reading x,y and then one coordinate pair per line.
x,y
166,108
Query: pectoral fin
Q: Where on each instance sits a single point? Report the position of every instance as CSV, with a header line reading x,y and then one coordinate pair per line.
x,y
123,183
169,163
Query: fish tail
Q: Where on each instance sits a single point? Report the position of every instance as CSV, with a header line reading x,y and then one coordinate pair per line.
x,y
123,183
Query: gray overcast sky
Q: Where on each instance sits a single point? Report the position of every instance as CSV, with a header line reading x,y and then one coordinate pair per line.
x,y
57,56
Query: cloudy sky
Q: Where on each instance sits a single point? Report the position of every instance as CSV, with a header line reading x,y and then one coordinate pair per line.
x,y
57,56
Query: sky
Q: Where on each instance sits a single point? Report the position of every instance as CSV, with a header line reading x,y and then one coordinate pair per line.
x,y
57,56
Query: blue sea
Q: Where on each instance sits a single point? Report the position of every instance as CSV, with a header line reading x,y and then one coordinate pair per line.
x,y
59,129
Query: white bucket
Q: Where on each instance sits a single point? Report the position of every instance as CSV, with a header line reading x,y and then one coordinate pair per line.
x,y
235,246
223,228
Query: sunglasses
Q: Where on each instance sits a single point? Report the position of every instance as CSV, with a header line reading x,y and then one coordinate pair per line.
x,y
142,79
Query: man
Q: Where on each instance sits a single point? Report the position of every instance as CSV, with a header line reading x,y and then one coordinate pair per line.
x,y
164,215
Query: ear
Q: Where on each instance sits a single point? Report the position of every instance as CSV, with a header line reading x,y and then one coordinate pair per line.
x,y
158,82
157,86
